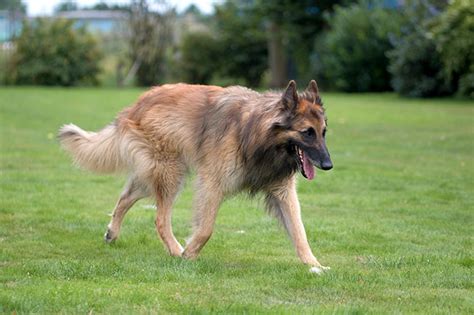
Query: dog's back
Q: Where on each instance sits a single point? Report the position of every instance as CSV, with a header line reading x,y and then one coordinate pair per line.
x,y
162,122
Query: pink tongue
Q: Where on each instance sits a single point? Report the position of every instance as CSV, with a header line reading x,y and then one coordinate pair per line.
x,y
308,167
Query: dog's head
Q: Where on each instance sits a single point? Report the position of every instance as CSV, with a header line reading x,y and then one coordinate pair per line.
x,y
303,128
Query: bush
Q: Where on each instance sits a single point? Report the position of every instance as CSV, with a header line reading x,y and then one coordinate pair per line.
x,y
52,52
198,58
351,56
454,35
149,40
232,51
415,64
243,41
416,67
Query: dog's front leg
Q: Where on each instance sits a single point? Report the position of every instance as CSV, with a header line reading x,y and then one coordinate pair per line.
x,y
283,201
207,201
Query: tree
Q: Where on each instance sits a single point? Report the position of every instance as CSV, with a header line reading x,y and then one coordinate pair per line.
x,y
415,63
13,5
241,35
454,36
259,34
197,63
53,52
68,5
192,9
351,56
103,6
291,28
149,40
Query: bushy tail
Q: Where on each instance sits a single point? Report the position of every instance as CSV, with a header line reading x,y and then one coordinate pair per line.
x,y
94,151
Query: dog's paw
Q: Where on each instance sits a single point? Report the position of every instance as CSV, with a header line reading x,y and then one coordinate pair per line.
x,y
319,270
109,237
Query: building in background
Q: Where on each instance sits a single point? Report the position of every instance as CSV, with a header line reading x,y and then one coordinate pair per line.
x,y
10,24
96,21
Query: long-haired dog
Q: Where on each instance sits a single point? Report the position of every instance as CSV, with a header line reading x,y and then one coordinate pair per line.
x,y
235,139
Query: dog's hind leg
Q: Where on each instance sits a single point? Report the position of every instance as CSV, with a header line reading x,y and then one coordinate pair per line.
x,y
132,193
207,201
168,184
283,202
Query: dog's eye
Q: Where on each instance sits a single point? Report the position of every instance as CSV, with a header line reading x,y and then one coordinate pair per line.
x,y
310,133
324,132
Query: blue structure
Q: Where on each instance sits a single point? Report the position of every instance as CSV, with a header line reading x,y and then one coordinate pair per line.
x,y
95,21
10,25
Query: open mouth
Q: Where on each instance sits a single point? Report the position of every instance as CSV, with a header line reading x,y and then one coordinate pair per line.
x,y
304,164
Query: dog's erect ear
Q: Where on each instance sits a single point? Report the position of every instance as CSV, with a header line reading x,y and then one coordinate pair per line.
x,y
290,96
313,90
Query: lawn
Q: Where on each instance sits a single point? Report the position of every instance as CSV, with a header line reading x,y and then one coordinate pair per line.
x,y
394,219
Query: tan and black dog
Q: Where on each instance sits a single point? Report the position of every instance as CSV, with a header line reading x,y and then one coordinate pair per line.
x,y
235,139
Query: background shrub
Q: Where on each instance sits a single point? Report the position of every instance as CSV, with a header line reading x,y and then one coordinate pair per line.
x,y
415,64
454,35
198,58
351,56
232,51
244,44
149,39
52,52
416,67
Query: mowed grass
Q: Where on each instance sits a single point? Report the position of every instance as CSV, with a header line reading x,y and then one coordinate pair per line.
x,y
394,219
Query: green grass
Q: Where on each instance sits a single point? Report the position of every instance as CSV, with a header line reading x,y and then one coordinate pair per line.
x,y
394,219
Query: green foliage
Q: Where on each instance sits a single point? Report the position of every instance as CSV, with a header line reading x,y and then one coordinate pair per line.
x,y
104,6
243,42
233,50
4,61
241,29
150,38
66,5
415,63
351,55
416,66
393,219
52,52
12,5
454,35
199,58
299,22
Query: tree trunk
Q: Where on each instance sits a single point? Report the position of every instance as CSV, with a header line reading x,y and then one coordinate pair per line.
x,y
131,73
277,56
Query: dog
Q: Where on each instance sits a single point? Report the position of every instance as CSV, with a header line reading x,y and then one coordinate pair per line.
x,y
235,139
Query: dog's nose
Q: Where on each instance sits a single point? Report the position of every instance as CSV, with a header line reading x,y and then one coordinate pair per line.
x,y
326,165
